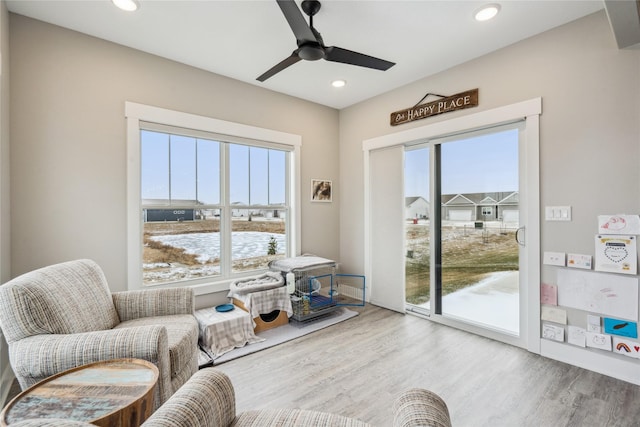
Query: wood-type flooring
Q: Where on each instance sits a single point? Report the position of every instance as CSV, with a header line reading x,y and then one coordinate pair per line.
x,y
357,367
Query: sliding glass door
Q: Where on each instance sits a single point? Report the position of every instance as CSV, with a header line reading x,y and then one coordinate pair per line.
x,y
462,215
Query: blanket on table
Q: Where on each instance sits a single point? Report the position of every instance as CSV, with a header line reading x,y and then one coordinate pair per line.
x,y
300,262
269,280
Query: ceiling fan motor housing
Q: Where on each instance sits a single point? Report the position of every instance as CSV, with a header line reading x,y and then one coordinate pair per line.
x,y
311,52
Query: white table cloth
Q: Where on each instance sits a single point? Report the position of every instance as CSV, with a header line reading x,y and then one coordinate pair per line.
x,y
222,332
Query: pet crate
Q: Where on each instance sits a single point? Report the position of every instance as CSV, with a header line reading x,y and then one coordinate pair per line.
x,y
317,289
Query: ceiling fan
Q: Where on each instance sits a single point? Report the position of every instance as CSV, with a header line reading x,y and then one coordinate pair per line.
x,y
310,44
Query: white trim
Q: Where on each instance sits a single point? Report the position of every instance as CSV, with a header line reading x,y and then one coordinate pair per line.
x,y
367,225
530,111
473,121
620,367
530,315
135,113
159,115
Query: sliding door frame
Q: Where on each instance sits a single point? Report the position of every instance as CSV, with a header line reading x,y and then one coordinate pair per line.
x,y
530,111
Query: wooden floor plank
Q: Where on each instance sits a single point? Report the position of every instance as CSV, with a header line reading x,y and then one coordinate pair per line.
x,y
357,367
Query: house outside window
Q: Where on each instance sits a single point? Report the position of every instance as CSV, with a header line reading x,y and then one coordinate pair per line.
x,y
209,207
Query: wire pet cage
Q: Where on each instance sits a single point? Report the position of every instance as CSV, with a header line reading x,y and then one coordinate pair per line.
x,y
317,289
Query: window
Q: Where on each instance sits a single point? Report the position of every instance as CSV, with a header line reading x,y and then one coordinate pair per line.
x,y
209,201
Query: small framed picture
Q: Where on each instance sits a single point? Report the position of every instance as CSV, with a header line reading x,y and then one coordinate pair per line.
x,y
321,190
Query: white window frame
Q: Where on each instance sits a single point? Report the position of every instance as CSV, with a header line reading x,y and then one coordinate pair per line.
x,y
135,114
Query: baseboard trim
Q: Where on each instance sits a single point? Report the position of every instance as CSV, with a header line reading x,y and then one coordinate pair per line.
x,y
605,363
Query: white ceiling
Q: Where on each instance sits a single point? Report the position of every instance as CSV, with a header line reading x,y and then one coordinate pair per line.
x,y
242,39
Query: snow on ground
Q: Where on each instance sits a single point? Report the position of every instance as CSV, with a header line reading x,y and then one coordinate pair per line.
x,y
493,301
244,244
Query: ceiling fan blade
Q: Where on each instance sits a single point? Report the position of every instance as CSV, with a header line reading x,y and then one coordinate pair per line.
x,y
338,54
280,66
296,21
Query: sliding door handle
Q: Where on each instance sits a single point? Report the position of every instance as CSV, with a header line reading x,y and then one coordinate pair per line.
x,y
519,240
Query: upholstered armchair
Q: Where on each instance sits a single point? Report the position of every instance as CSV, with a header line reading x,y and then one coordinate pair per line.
x,y
64,315
208,400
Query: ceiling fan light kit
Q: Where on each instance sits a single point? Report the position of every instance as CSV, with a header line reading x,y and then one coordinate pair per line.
x,y
311,46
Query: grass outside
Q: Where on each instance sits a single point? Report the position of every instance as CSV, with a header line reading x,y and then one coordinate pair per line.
x,y
468,254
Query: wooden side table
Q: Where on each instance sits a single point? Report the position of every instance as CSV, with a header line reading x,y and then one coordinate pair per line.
x,y
115,392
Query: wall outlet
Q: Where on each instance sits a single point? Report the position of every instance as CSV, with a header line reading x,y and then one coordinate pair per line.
x,y
554,258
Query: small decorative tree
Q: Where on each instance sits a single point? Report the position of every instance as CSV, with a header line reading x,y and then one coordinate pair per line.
x,y
273,246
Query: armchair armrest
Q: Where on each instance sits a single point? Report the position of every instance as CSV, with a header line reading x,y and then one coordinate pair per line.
x,y
40,356
420,408
153,302
207,399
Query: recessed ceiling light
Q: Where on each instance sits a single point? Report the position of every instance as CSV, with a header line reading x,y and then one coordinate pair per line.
x,y
128,5
487,12
338,83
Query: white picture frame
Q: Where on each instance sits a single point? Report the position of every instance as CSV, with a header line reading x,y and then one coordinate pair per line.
x,y
321,190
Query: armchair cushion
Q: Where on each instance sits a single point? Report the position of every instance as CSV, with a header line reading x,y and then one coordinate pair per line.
x,y
153,302
66,298
182,333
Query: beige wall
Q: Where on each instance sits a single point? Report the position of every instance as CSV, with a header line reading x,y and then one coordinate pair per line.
x,y
5,217
589,128
68,142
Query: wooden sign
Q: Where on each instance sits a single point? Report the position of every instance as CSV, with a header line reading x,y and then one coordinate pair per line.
x,y
459,101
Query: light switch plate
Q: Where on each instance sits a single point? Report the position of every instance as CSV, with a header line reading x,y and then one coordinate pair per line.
x,y
557,213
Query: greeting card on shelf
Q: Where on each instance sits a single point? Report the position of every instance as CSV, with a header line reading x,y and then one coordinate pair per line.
x,y
599,341
579,261
577,336
616,254
620,327
548,294
619,224
552,332
626,347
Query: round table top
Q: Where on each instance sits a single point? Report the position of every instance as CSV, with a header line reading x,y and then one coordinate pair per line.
x,y
88,393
